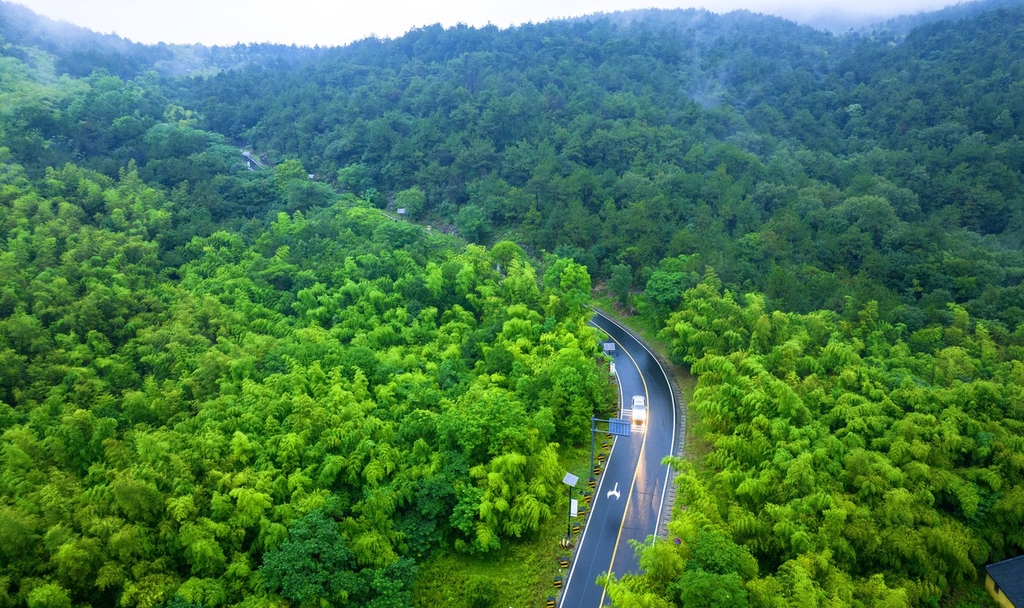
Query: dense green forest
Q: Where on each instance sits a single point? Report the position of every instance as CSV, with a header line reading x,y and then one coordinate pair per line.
x,y
194,434
796,163
224,387
853,462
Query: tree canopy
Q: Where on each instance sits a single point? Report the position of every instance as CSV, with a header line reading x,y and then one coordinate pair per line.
x,y
852,460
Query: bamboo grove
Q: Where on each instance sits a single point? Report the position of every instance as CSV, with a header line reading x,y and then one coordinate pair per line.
x,y
851,462
344,394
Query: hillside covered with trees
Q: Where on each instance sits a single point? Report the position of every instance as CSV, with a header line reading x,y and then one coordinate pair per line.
x,y
195,434
224,387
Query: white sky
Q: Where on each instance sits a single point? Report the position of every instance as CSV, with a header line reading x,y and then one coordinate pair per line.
x,y
337,22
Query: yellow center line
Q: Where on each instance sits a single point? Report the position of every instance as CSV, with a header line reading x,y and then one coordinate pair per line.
x,y
636,470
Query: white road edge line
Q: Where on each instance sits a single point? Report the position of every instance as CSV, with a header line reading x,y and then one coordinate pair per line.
x,y
675,422
600,485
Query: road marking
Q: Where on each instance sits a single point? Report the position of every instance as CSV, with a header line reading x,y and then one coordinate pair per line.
x,y
636,471
583,536
675,408
600,486
616,492
672,398
668,472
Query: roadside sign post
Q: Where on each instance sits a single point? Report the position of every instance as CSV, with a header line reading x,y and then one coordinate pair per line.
x,y
570,480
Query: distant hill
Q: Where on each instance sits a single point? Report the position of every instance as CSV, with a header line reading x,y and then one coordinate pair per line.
x,y
840,21
78,50
903,24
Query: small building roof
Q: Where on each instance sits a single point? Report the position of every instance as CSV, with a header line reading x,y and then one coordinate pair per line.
x,y
1009,575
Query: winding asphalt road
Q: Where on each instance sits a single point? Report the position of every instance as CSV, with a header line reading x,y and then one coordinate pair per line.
x,y
630,495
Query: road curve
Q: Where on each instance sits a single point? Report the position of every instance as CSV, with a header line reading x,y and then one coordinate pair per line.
x,y
630,495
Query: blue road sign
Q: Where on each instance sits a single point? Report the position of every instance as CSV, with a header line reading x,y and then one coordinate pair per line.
x,y
619,427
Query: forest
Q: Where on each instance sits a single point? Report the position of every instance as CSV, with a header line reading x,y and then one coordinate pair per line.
x,y
194,434
232,387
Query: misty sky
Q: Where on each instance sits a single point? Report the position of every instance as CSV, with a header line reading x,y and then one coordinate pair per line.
x,y
327,22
